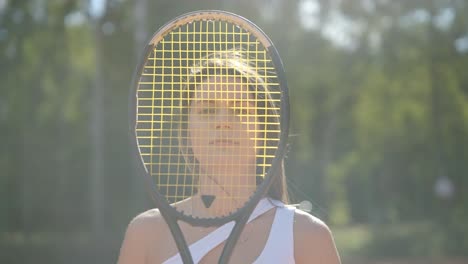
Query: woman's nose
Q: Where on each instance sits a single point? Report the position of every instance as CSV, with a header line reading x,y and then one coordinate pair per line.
x,y
223,119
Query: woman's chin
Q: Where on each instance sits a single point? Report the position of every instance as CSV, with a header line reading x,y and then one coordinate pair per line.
x,y
228,163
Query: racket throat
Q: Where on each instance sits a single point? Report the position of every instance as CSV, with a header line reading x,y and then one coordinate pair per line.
x,y
208,200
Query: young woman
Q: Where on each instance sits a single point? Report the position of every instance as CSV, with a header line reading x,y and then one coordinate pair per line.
x,y
221,135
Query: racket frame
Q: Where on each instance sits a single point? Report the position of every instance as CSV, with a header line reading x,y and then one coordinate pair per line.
x,y
241,216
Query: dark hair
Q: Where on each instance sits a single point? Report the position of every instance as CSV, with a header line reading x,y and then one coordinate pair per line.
x,y
233,63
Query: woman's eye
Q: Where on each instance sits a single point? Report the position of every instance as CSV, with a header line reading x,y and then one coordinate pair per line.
x,y
208,111
244,111
238,111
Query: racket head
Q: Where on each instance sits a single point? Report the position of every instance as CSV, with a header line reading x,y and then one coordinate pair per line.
x,y
209,65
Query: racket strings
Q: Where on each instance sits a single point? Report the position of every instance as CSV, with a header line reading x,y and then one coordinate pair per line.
x,y
217,74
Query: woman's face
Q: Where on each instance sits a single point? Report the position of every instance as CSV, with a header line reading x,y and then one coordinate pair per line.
x,y
223,126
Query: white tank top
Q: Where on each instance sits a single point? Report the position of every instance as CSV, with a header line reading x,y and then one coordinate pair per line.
x,y
279,247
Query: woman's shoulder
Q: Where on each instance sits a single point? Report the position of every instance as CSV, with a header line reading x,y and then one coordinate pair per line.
x,y
313,239
147,223
153,218
306,222
306,225
149,215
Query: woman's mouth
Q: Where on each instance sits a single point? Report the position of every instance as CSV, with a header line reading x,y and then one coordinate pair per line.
x,y
224,142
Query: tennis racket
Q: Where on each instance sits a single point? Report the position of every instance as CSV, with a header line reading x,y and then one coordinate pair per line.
x,y
209,121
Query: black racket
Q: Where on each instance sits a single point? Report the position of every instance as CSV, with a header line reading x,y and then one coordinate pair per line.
x,y
209,121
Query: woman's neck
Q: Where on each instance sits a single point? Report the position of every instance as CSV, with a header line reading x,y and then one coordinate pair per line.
x,y
223,193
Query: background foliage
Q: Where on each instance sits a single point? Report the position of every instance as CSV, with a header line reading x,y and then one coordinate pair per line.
x,y
379,142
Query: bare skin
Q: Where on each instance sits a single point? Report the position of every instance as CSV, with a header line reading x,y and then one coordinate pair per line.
x,y
222,130
147,240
